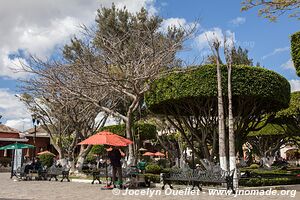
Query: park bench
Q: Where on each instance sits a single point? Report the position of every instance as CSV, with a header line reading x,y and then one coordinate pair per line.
x,y
199,177
20,173
134,178
54,172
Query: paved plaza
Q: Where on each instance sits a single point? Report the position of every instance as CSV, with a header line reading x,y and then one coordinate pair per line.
x,y
10,189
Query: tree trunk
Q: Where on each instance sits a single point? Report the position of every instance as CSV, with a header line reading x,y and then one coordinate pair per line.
x,y
232,155
81,157
128,123
222,147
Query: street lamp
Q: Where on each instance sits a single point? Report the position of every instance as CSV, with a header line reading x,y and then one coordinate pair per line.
x,y
35,122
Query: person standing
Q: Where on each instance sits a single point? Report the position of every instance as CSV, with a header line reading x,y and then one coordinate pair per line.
x,y
115,156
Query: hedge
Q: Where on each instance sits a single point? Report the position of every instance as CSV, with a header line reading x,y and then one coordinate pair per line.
x,y
268,181
295,48
268,87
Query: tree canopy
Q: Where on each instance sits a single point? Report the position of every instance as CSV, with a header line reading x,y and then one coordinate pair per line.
x,y
295,48
200,82
189,100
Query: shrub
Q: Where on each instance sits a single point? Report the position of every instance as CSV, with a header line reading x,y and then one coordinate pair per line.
x,y
153,169
155,178
254,166
162,163
46,160
268,181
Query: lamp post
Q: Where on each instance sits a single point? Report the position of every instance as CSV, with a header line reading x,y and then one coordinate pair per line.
x,y
35,122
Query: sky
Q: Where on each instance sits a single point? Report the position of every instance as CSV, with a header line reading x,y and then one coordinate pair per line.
x,y
41,28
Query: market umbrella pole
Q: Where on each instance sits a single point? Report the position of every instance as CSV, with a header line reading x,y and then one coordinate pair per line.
x,y
12,164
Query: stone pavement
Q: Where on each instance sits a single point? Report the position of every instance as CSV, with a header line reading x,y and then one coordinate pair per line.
x,y
10,189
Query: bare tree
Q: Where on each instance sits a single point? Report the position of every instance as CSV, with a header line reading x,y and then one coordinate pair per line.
x,y
119,59
66,118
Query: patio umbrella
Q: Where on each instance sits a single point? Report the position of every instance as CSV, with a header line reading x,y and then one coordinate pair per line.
x,y
106,138
148,154
13,147
159,154
46,152
17,146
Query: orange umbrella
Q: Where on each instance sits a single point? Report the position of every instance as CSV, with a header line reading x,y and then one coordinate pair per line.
x,y
159,154
45,152
148,154
108,138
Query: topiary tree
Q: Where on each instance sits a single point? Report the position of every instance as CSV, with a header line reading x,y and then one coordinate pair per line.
x,y
295,48
189,101
291,115
268,140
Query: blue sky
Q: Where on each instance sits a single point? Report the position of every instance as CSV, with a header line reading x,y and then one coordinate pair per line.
x,y
41,27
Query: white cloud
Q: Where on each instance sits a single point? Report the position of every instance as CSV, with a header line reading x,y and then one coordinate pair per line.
x,y
39,26
210,35
110,120
237,21
288,65
20,124
276,51
13,110
177,22
295,85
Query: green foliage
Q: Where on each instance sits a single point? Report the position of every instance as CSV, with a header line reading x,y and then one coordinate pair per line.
x,y
155,178
295,48
97,149
269,88
254,166
294,107
268,181
146,131
46,159
240,57
153,169
269,130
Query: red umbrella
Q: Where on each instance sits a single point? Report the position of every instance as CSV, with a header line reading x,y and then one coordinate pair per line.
x,y
159,154
45,152
107,138
148,154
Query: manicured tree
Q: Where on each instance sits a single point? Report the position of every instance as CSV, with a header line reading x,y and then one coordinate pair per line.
x,y
291,116
295,48
268,140
189,102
